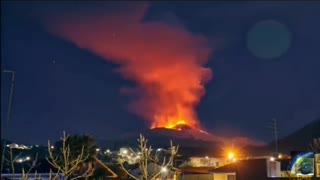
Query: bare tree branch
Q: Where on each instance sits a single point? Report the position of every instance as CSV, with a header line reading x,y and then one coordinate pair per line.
x,y
146,157
127,172
25,174
315,145
66,165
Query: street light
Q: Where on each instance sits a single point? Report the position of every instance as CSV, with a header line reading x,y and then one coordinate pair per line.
x,y
230,155
272,159
164,169
125,151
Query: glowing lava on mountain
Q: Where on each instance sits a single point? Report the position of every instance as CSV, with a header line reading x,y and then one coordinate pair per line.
x,y
177,124
171,125
171,122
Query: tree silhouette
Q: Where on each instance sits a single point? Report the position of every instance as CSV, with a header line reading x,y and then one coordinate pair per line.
x,y
147,157
73,156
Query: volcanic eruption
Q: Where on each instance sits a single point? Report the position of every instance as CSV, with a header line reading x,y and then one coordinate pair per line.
x,y
166,62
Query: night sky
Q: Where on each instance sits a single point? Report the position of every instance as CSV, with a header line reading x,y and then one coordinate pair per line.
x,y
265,63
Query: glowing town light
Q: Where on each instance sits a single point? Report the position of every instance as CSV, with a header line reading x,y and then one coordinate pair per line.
x,y
207,157
52,147
107,151
28,158
164,169
272,159
124,151
280,156
97,149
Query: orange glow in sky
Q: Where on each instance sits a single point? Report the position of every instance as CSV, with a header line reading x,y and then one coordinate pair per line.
x,y
165,62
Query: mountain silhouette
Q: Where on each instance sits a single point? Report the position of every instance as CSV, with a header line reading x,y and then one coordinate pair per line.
x,y
299,140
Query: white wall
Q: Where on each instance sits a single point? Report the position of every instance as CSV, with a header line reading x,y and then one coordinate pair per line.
x,y
273,169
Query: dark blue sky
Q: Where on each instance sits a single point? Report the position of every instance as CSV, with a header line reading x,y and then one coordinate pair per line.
x,y
62,87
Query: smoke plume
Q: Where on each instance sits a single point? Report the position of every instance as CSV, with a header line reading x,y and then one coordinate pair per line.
x,y
165,62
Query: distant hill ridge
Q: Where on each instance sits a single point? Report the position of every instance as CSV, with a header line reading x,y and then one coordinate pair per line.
x,y
300,139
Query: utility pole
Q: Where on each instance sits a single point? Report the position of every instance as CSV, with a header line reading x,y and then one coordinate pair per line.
x,y
8,116
10,96
275,131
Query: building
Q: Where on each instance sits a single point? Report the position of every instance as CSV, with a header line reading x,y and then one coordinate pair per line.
x,y
317,165
261,169
251,169
206,161
17,146
33,176
128,155
152,169
210,176
41,170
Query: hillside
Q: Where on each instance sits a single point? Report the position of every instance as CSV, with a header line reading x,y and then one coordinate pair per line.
x,y
161,137
300,139
190,141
